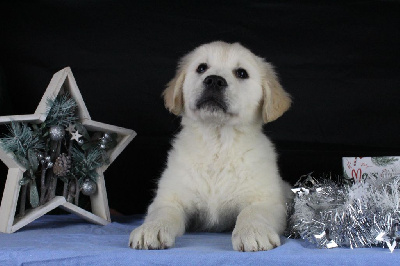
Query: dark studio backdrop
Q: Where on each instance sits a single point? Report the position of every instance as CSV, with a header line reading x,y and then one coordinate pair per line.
x,y
339,60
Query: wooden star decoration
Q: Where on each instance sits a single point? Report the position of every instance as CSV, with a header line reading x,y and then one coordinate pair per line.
x,y
75,136
9,223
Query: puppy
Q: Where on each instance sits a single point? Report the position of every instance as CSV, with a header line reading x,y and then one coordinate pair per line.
x,y
221,172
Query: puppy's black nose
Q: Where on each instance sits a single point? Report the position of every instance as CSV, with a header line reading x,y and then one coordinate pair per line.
x,y
215,82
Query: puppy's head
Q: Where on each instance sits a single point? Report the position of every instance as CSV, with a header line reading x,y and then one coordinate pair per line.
x,y
226,84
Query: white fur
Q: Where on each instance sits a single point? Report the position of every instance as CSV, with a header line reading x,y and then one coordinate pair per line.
x,y
221,172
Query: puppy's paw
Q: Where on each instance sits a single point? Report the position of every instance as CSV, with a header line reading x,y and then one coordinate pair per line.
x,y
152,235
254,238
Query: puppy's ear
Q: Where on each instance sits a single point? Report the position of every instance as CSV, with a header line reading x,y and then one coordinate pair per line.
x,y
276,100
173,94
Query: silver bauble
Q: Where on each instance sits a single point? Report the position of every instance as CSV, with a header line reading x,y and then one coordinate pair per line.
x,y
88,187
107,136
56,133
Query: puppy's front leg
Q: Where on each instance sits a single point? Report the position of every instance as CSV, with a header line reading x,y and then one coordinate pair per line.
x,y
160,228
258,227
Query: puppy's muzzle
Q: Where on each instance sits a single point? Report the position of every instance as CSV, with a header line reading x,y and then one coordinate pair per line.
x,y
213,94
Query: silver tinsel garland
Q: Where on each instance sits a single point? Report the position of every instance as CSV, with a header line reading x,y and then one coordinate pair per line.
x,y
331,214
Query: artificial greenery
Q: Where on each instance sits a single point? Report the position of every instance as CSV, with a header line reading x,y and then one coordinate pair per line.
x,y
61,111
86,163
24,143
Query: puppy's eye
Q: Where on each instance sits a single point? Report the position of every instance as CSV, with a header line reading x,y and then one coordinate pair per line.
x,y
202,68
241,73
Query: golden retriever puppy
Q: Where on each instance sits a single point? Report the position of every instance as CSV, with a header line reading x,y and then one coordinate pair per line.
x,y
222,172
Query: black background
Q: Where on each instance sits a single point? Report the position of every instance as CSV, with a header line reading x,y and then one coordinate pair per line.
x,y
339,61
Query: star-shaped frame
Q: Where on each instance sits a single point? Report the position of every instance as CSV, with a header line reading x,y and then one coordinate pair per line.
x,y
62,80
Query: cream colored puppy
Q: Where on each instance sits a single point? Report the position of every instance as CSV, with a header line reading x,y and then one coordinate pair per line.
x,y
222,172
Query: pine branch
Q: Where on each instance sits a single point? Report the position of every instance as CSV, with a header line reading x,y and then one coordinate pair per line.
x,y
20,139
62,111
85,165
24,144
93,159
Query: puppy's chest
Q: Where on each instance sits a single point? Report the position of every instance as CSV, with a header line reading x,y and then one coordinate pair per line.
x,y
219,178
218,167
218,192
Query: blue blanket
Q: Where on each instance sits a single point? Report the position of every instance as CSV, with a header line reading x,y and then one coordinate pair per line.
x,y
69,240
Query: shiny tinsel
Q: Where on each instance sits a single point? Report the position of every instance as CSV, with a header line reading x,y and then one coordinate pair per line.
x,y
331,213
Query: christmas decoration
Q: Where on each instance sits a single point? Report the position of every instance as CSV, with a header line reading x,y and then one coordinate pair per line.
x,y
56,133
343,213
62,165
58,144
88,187
76,136
359,168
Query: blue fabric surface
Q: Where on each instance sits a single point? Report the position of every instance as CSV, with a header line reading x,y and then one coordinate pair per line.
x,y
69,240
